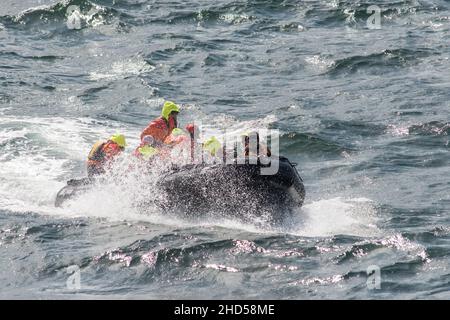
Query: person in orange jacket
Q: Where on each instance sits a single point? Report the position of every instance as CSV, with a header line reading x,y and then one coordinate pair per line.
x,y
162,127
103,152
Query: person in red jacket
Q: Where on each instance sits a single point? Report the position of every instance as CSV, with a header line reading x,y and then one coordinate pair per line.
x,y
102,153
162,127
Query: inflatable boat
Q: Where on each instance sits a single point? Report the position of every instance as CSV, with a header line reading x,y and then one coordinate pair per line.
x,y
238,190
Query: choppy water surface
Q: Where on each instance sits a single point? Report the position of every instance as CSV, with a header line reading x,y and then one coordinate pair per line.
x,y
363,111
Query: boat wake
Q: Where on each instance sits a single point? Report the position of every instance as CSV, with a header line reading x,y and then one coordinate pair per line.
x,y
37,164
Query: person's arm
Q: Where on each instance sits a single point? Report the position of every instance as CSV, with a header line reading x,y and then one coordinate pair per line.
x,y
264,150
147,131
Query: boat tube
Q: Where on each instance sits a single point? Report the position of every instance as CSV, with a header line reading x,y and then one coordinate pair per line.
x,y
73,189
237,190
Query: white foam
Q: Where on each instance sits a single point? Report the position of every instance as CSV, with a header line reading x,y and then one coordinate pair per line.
x,y
32,168
233,18
398,130
122,68
72,136
23,13
35,169
322,218
32,175
320,62
336,216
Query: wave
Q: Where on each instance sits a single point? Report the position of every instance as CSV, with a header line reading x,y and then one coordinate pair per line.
x,y
123,68
433,128
387,60
49,58
226,14
144,258
356,220
312,145
357,128
4,97
397,241
289,16
61,15
271,15
432,135
338,13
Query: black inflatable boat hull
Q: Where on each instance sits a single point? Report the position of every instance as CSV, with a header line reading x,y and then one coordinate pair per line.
x,y
73,189
237,190
234,190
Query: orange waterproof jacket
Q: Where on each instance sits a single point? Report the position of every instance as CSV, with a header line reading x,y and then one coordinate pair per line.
x,y
102,152
159,129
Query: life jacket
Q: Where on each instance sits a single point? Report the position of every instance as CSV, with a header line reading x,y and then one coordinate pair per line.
x,y
212,145
102,152
159,129
96,154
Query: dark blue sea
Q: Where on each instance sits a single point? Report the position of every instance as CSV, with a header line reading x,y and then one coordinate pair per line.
x,y
358,90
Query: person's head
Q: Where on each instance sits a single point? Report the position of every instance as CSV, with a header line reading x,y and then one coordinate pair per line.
x,y
170,111
212,145
247,136
250,140
190,128
194,133
119,139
